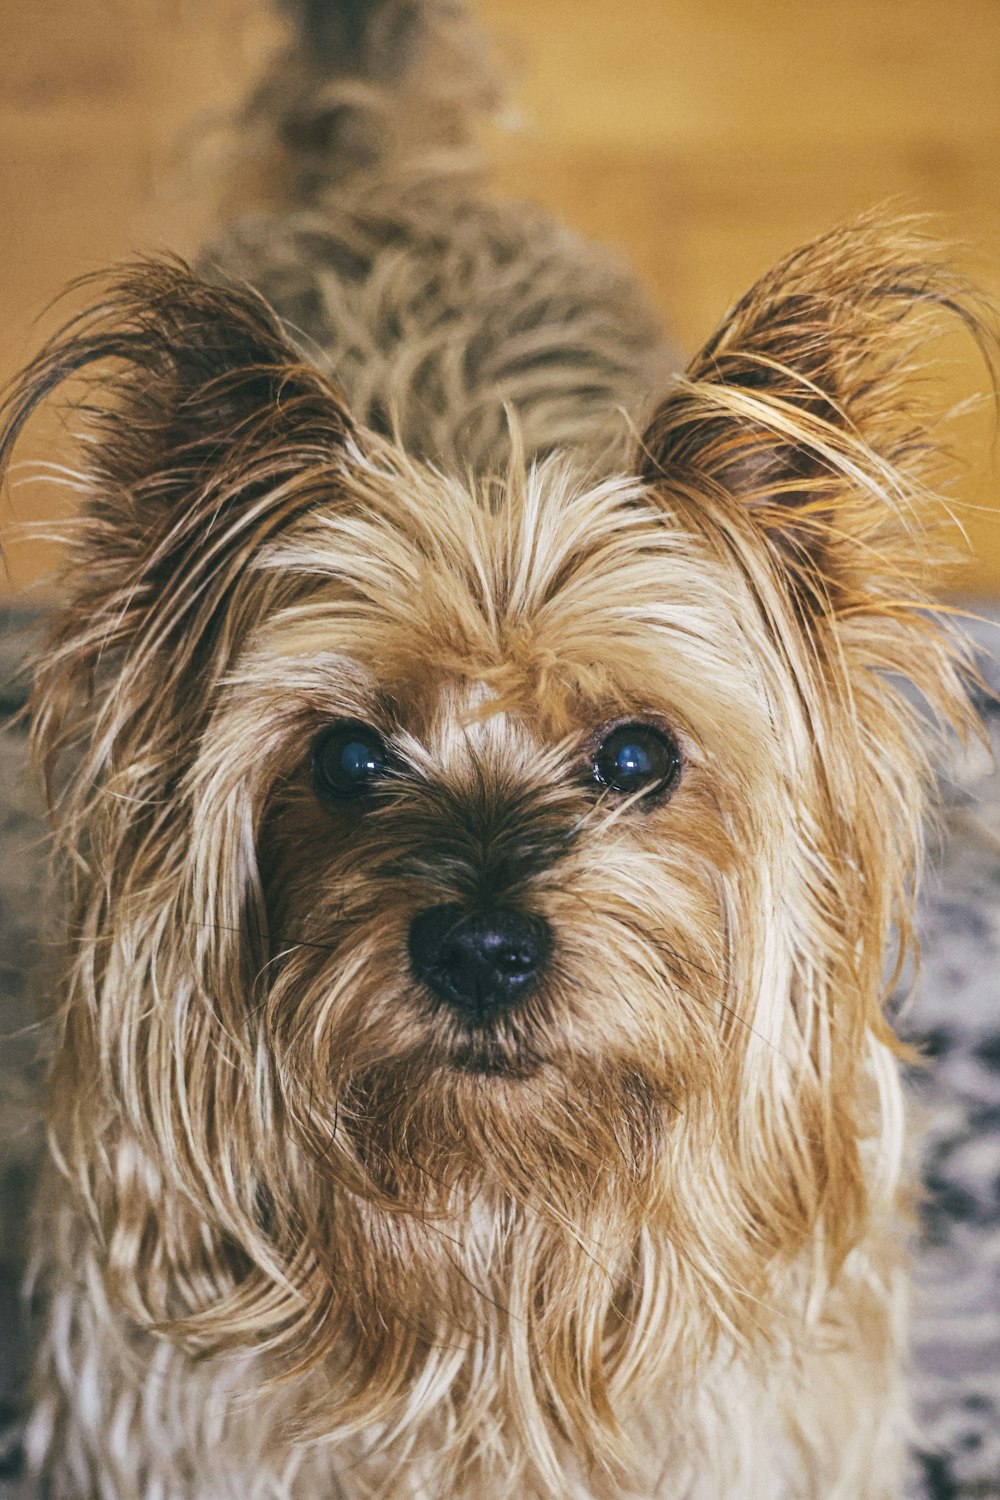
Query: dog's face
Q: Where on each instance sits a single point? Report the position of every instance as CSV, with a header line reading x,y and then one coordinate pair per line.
x,y
485,889
500,788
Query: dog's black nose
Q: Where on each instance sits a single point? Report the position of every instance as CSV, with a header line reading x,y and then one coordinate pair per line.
x,y
478,963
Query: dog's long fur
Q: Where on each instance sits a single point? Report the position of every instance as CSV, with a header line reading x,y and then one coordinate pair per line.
x,y
307,1237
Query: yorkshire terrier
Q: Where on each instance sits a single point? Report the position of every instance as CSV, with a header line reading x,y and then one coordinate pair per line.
x,y
489,782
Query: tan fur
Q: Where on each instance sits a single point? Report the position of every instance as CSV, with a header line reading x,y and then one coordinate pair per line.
x,y
640,1235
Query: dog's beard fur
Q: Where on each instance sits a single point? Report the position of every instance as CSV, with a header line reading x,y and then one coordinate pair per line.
x,y
514,1233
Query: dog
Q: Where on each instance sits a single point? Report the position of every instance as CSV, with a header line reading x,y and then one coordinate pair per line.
x,y
488,784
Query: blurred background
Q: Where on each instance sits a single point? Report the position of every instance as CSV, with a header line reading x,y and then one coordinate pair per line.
x,y
700,138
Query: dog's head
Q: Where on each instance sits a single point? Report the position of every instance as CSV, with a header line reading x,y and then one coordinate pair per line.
x,y
480,890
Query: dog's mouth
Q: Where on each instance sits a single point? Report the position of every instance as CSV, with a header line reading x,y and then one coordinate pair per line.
x,y
488,1059
492,1046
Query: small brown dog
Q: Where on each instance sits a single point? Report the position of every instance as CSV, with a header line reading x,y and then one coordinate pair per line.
x,y
484,829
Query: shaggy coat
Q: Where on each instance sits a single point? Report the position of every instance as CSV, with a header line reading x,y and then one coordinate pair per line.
x,y
312,1232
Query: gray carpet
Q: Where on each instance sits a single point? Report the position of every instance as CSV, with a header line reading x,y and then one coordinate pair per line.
x,y
956,1016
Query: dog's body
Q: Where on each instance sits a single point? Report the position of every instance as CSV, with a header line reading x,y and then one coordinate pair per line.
x,y
367,683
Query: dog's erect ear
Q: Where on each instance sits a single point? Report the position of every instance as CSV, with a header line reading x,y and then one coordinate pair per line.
x,y
800,447
803,408
206,433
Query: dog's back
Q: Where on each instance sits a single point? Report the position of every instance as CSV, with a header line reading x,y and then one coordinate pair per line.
x,y
438,309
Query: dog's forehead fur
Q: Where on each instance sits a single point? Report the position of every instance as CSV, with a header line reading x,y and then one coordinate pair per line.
x,y
559,602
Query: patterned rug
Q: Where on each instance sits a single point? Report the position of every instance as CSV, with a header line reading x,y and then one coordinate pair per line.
x,y
955,1017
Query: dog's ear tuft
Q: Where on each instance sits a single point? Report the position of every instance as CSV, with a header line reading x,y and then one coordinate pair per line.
x,y
194,398
206,433
803,408
800,446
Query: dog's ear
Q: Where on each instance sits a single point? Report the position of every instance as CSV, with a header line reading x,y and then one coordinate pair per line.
x,y
800,448
803,408
206,434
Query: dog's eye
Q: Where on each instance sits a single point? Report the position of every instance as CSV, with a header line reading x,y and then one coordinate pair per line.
x,y
636,758
348,759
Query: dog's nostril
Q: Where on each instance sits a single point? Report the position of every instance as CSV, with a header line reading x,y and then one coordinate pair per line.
x,y
514,960
478,962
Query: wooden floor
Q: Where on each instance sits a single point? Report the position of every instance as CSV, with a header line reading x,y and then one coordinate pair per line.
x,y
702,138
